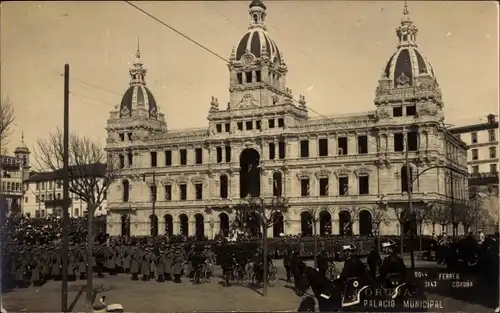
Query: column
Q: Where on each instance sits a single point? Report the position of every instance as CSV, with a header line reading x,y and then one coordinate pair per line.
x,y
191,228
332,145
355,226
351,144
313,147
234,185
177,227
335,225
353,184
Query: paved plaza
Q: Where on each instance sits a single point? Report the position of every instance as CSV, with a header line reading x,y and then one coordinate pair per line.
x,y
152,296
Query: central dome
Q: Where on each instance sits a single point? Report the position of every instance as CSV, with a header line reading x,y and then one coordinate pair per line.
x,y
255,41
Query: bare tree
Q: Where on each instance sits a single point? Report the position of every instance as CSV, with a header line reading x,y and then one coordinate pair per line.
x,y
6,120
404,216
379,216
314,220
468,213
90,175
267,214
420,216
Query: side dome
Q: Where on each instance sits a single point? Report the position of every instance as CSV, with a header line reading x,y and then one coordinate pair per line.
x,y
255,41
138,96
405,65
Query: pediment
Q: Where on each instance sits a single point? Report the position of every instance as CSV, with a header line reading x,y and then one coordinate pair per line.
x,y
363,170
323,173
342,171
182,180
198,179
167,181
304,174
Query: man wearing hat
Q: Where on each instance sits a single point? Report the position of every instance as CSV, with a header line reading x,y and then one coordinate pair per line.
x,y
393,265
353,267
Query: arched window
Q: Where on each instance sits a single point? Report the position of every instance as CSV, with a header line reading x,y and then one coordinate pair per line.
x,y
405,179
126,190
277,184
153,221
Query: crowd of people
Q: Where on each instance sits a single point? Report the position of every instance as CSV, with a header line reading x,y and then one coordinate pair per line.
x,y
31,250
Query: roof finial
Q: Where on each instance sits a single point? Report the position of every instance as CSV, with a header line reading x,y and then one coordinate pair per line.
x,y
405,9
138,53
22,137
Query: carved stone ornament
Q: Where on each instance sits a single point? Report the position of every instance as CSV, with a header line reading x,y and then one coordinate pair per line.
x,y
125,112
198,180
342,172
151,182
247,59
363,170
167,181
303,175
383,113
275,99
153,112
248,101
182,180
382,90
403,80
323,173
135,177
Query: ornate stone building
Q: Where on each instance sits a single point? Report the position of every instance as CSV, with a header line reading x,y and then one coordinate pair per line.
x,y
263,144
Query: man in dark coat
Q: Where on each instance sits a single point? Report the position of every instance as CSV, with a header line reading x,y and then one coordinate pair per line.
x,y
353,267
322,263
393,269
374,261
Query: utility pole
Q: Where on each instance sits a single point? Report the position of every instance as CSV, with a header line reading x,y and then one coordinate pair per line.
x,y
65,217
410,207
155,230
452,195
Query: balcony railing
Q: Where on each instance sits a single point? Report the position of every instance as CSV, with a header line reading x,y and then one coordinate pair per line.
x,y
483,178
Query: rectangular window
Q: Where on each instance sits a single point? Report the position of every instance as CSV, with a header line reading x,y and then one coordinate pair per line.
x,y
272,151
130,157
257,76
304,148
399,141
411,110
323,147
218,127
412,138
37,186
342,146
227,127
475,169
219,154
473,137
248,77
493,152
249,125
362,144
281,122
183,190
168,192
364,184
240,78
271,123
240,126
129,135
475,154
258,125
281,150
493,168
199,191
183,155
397,111
37,199
122,137
491,135
304,187
152,193
168,158
198,155
224,187
343,186
323,187
153,159
227,150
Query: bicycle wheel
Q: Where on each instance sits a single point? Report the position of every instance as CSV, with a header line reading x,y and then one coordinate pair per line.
x,y
249,272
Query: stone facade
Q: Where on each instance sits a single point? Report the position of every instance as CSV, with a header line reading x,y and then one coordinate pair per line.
x,y
264,144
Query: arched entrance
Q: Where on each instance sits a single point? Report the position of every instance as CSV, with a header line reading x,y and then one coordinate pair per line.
x,y
408,221
169,224
153,222
306,223
365,223
184,224
345,225
199,226
278,224
325,223
224,224
249,173
125,223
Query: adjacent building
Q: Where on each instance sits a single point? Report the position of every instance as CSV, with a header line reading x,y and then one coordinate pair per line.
x,y
263,144
44,196
14,169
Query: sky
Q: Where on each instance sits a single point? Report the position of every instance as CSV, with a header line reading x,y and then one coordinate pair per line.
x,y
335,52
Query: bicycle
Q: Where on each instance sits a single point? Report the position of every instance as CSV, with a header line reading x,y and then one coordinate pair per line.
x,y
272,273
239,273
207,271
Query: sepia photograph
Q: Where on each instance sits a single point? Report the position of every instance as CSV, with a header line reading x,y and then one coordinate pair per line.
x,y
249,156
